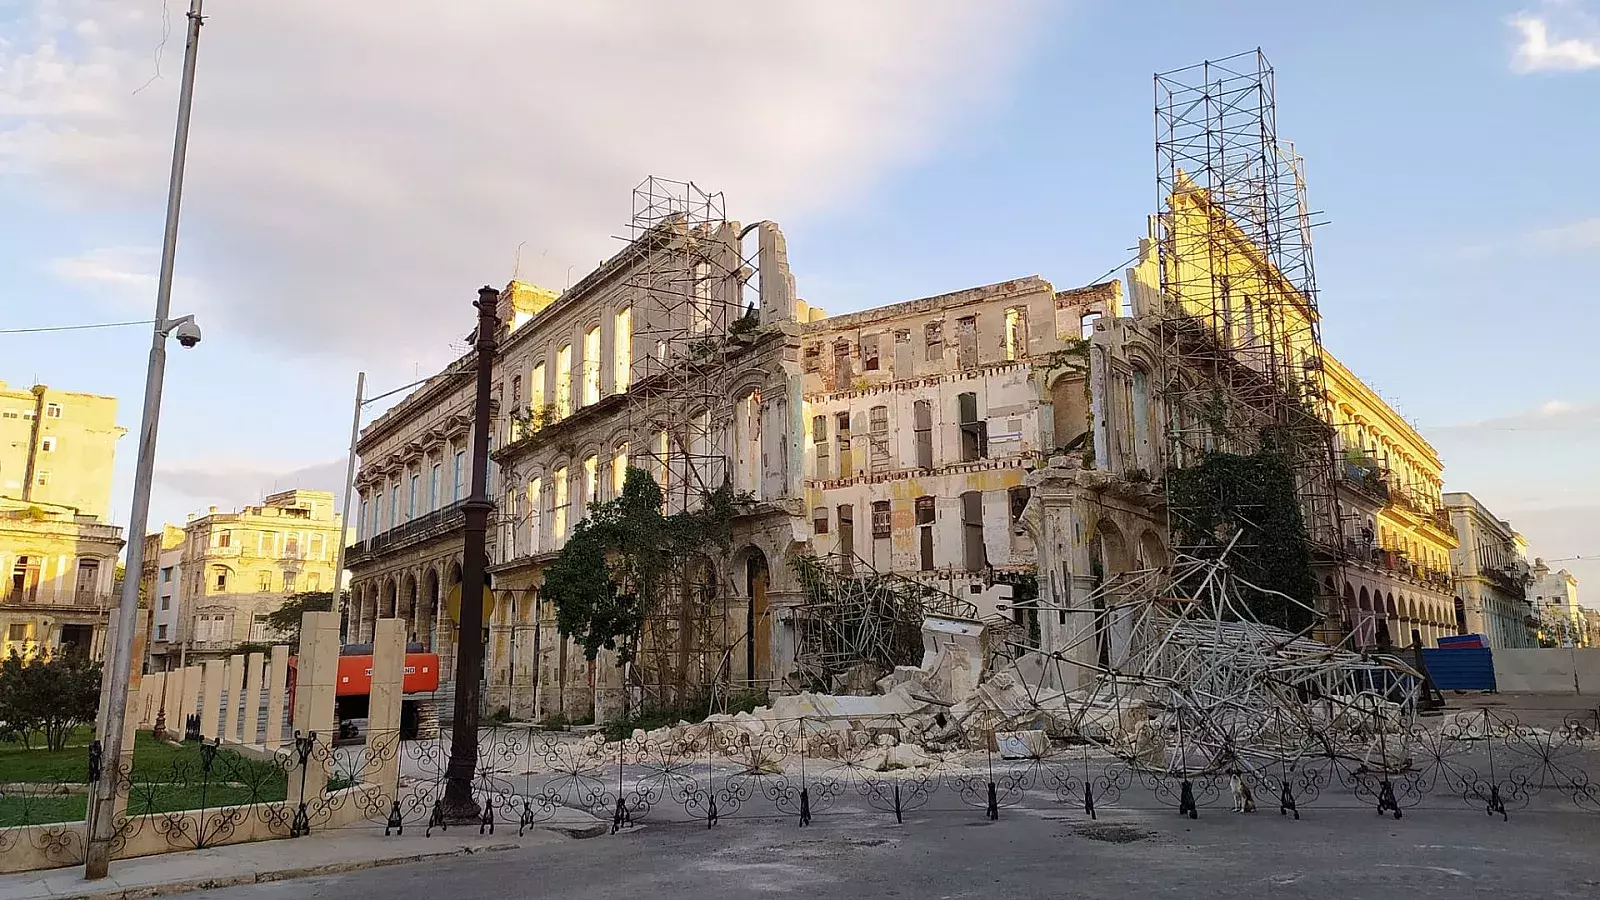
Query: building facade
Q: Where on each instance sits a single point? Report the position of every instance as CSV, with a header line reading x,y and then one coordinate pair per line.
x,y
236,567
1555,604
57,447
161,593
60,575
1491,575
1399,536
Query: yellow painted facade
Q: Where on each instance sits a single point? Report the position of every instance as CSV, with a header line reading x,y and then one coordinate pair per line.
x,y
56,447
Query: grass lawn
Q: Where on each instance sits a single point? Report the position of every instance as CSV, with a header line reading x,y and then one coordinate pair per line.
x,y
165,779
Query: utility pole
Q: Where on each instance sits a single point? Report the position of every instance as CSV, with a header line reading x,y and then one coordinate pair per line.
x,y
458,804
344,515
100,824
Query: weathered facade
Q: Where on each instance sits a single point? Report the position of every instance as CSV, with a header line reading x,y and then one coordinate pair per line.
x,y
1491,575
237,567
57,447
161,587
1555,603
60,570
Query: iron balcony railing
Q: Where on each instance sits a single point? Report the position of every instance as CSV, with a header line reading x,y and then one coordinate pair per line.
x,y
440,522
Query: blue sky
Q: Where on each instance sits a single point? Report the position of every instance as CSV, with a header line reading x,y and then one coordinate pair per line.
x,y
351,187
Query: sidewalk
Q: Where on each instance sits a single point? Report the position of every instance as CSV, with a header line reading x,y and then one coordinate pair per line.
x,y
343,850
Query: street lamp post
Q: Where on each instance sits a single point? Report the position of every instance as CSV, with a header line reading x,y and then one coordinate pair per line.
x,y
100,824
458,804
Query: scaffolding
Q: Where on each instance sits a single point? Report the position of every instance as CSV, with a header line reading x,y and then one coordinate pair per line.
x,y
855,615
686,287
1239,325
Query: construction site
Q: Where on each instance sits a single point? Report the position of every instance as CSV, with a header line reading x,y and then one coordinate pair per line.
x,y
1031,509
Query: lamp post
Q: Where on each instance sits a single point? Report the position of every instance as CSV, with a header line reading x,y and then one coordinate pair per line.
x,y
458,804
100,823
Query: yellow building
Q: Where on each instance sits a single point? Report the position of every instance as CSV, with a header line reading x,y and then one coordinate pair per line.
x,y
60,570
238,567
56,447
1398,535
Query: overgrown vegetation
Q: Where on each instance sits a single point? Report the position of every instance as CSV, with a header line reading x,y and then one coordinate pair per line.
x,y
623,558
1254,497
46,698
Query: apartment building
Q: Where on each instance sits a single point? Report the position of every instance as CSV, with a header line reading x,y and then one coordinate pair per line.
x,y
1491,574
57,447
161,596
1554,595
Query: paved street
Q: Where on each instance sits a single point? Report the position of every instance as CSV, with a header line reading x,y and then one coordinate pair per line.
x,y
1346,854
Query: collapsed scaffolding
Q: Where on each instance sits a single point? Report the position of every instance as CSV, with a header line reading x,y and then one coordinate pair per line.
x,y
1239,325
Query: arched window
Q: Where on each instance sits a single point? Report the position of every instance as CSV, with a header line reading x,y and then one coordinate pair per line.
x,y
621,349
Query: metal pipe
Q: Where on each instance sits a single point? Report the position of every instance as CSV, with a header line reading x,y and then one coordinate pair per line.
x,y
344,514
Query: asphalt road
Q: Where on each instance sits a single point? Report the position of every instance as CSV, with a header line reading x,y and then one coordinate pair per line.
x,y
1348,855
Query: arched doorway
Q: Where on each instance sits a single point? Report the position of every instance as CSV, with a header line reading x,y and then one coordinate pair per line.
x,y
428,612
758,621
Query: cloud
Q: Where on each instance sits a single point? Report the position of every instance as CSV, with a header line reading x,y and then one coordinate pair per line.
x,y
1538,51
232,485
1550,416
367,164
1581,236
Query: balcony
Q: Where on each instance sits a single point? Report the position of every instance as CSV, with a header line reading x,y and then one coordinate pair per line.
x,y
1364,473
436,524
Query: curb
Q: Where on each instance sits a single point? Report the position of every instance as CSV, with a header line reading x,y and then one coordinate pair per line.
x,y
205,884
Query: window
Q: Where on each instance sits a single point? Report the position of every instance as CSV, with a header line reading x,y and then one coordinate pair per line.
x,y
52,410
457,472
842,432
1016,332
925,514
847,538
265,580
377,512
166,602
219,579
622,350
933,339
882,525
1018,498
819,442
819,520
922,413
288,582
967,341
259,629
317,547
166,575
974,431
363,520
842,373
700,303
1086,325
591,482
161,629
433,486
225,539
878,440
975,557
17,631
591,366
559,504
536,399
619,469
812,357
413,488
313,581
43,479
869,353
394,505
564,381
535,490
48,445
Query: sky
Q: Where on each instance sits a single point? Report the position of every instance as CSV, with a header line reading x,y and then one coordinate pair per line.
x,y
357,170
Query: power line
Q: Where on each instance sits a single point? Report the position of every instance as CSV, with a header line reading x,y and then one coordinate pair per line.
x,y
74,327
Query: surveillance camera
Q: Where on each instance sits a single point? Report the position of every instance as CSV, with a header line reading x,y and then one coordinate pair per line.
x,y
187,333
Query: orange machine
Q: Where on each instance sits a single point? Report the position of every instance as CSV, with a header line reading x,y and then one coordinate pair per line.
x,y
351,692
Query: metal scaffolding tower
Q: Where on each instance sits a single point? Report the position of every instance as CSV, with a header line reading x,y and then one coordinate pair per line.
x,y
1239,324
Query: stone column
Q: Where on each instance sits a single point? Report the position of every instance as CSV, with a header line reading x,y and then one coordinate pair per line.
x,y
211,710
383,713
188,701
251,699
151,691
171,699
316,676
277,681
235,684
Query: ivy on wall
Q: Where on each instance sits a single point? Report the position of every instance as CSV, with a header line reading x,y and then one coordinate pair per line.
x,y
1253,496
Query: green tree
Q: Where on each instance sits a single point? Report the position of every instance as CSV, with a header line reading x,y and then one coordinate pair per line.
x,y
48,695
621,559
285,620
